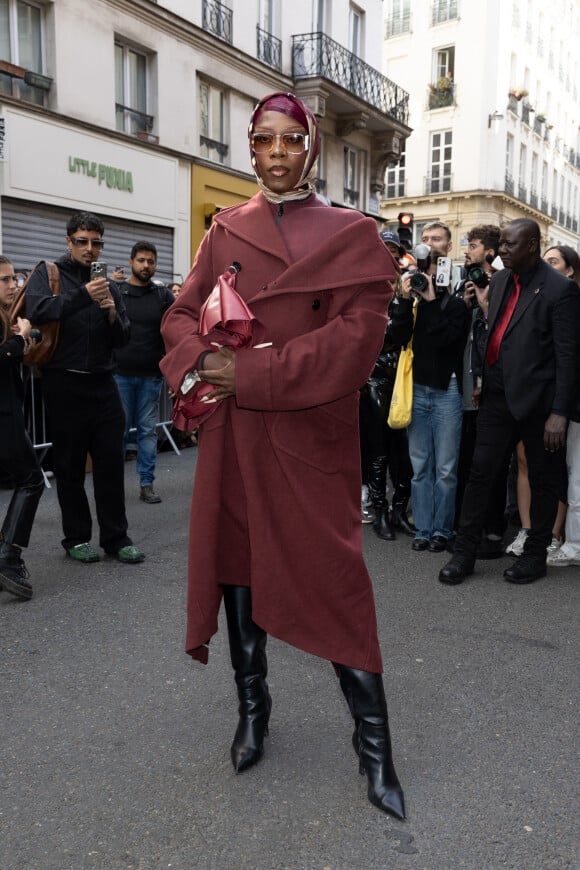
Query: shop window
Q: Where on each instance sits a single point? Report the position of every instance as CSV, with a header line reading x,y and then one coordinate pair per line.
x,y
22,51
132,89
212,144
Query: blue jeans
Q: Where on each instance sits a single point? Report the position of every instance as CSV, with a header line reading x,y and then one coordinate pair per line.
x,y
434,438
140,398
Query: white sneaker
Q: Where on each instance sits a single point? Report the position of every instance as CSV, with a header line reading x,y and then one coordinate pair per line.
x,y
367,511
561,559
516,548
555,545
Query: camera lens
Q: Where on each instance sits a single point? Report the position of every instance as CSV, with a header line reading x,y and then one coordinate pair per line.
x,y
35,336
419,282
478,276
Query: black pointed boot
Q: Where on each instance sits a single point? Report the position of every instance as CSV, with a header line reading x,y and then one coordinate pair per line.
x,y
377,491
399,519
365,696
248,656
13,572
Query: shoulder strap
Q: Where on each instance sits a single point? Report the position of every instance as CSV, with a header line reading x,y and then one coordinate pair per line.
x,y
53,277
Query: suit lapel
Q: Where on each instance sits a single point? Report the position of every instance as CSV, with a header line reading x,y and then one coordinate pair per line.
x,y
497,299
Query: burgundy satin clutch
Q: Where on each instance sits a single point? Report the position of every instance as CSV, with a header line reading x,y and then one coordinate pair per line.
x,y
227,320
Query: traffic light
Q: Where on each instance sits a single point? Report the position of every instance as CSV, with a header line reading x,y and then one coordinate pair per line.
x,y
406,229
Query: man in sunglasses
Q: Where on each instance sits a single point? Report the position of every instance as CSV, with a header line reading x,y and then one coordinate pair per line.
x,y
83,408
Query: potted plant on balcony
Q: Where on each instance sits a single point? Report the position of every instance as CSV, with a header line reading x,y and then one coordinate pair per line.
x,y
518,93
441,93
541,117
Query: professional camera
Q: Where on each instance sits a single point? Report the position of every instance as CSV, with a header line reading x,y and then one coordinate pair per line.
x,y
477,275
419,281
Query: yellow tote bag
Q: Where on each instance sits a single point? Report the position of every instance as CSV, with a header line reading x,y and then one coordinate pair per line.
x,y
401,410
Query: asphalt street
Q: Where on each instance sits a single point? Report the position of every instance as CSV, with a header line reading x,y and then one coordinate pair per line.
x,y
114,745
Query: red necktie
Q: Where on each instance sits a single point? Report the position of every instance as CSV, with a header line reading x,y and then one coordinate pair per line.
x,y
492,352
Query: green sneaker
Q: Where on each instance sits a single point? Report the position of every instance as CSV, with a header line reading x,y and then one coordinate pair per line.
x,y
130,554
83,553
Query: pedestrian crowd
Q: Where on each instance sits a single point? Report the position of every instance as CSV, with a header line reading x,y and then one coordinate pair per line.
x,y
495,404
292,418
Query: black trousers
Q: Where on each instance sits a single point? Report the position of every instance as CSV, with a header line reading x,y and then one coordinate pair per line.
x,y
85,415
497,434
494,522
19,460
382,447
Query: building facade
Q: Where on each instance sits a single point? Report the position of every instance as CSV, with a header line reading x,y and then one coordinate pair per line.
x,y
495,107
138,110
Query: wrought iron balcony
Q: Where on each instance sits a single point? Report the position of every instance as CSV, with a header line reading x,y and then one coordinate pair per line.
x,y
211,149
554,212
132,121
522,192
443,10
217,19
538,126
544,205
513,104
316,55
351,197
574,225
533,199
526,113
509,183
269,48
397,24
561,217
438,184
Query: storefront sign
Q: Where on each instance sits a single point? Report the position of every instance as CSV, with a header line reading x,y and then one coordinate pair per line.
x,y
118,179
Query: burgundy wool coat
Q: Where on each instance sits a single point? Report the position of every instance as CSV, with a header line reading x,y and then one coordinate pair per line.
x,y
276,499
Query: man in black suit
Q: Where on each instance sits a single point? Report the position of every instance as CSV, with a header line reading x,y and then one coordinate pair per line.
x,y
529,384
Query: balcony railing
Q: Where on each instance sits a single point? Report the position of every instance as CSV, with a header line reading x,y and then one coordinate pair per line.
x,y
269,48
212,149
217,19
133,121
513,104
438,184
397,24
509,183
561,217
526,113
544,205
538,125
568,221
443,10
522,192
441,94
574,225
533,199
554,212
351,197
315,54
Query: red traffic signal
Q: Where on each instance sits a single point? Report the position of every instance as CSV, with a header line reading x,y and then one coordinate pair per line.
x,y
406,229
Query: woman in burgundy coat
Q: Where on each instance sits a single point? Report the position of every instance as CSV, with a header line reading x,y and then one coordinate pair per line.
x,y
275,526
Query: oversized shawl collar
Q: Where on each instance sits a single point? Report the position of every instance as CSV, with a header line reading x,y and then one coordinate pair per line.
x,y
350,251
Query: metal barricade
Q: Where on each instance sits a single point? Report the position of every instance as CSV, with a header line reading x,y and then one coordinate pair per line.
x,y
35,416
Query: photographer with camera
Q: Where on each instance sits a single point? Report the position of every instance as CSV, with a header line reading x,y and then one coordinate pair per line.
x,y
83,408
439,337
482,252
